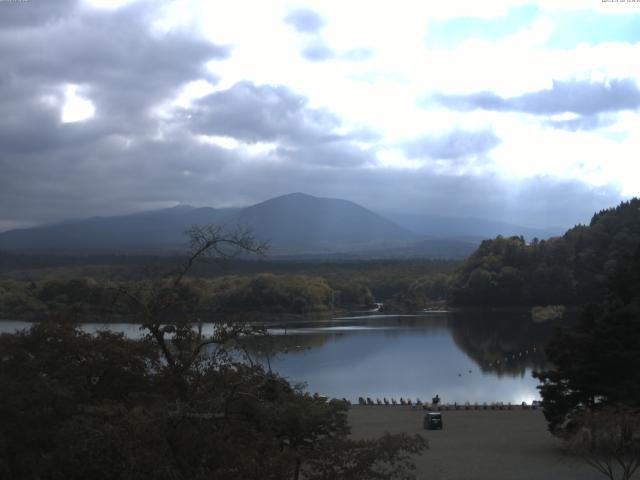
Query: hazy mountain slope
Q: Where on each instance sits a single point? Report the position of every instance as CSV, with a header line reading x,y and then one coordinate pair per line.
x,y
305,221
293,224
153,230
467,228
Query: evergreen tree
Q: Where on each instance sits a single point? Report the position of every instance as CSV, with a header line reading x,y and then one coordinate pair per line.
x,y
597,362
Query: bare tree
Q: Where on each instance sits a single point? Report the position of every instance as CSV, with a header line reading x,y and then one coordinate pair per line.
x,y
609,441
180,337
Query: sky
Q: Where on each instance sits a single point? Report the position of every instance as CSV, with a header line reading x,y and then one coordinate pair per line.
x,y
509,110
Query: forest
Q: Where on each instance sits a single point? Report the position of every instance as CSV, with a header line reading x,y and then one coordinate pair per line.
x,y
570,270
503,272
271,287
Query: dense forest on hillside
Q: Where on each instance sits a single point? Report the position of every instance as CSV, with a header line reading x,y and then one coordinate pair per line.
x,y
506,271
85,299
43,286
383,277
572,269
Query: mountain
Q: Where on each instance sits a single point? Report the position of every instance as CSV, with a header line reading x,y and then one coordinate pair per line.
x,y
295,223
299,221
467,228
151,231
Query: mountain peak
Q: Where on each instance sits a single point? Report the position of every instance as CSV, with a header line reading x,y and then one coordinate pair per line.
x,y
304,220
293,223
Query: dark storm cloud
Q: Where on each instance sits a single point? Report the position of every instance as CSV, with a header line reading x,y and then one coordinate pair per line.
x,y
116,161
126,158
305,20
117,178
455,145
262,113
52,170
109,178
579,97
125,75
31,13
342,155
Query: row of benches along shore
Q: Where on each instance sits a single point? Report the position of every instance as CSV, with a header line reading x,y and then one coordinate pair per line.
x,y
438,407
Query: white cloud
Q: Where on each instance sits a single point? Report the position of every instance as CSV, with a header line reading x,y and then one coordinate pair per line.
x,y
228,143
256,149
393,158
76,108
382,92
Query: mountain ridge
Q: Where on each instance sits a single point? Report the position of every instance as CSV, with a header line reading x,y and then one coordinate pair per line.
x,y
294,224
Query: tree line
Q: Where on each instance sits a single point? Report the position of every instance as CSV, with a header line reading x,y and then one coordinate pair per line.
x,y
572,269
316,288
506,271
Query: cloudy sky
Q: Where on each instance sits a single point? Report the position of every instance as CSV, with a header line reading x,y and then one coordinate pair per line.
x,y
510,110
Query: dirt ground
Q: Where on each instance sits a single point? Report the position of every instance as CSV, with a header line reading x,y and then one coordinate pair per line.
x,y
477,444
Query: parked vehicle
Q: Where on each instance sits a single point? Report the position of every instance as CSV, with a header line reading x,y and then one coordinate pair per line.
x,y
433,421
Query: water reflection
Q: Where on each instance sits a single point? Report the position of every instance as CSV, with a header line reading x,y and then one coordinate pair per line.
x,y
503,343
461,356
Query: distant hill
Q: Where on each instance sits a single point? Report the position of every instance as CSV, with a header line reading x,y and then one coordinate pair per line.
x,y
571,269
306,222
152,232
294,224
467,228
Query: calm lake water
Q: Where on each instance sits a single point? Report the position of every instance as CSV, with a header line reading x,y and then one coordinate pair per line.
x,y
461,356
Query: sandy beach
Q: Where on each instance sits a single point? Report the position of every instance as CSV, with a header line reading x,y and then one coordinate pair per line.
x,y
477,444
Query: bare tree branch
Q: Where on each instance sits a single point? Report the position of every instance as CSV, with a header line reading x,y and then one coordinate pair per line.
x,y
205,241
609,440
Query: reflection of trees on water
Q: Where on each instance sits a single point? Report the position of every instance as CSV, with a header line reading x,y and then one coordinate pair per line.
x,y
499,342
502,343
272,345
425,323
297,337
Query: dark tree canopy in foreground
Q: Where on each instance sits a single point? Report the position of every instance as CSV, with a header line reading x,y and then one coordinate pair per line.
x,y
177,405
597,362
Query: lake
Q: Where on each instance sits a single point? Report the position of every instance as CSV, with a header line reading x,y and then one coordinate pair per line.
x,y
461,356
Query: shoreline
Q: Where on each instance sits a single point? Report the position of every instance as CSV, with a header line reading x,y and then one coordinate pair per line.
x,y
257,317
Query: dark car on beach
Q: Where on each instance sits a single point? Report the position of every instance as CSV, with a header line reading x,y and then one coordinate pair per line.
x,y
433,421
